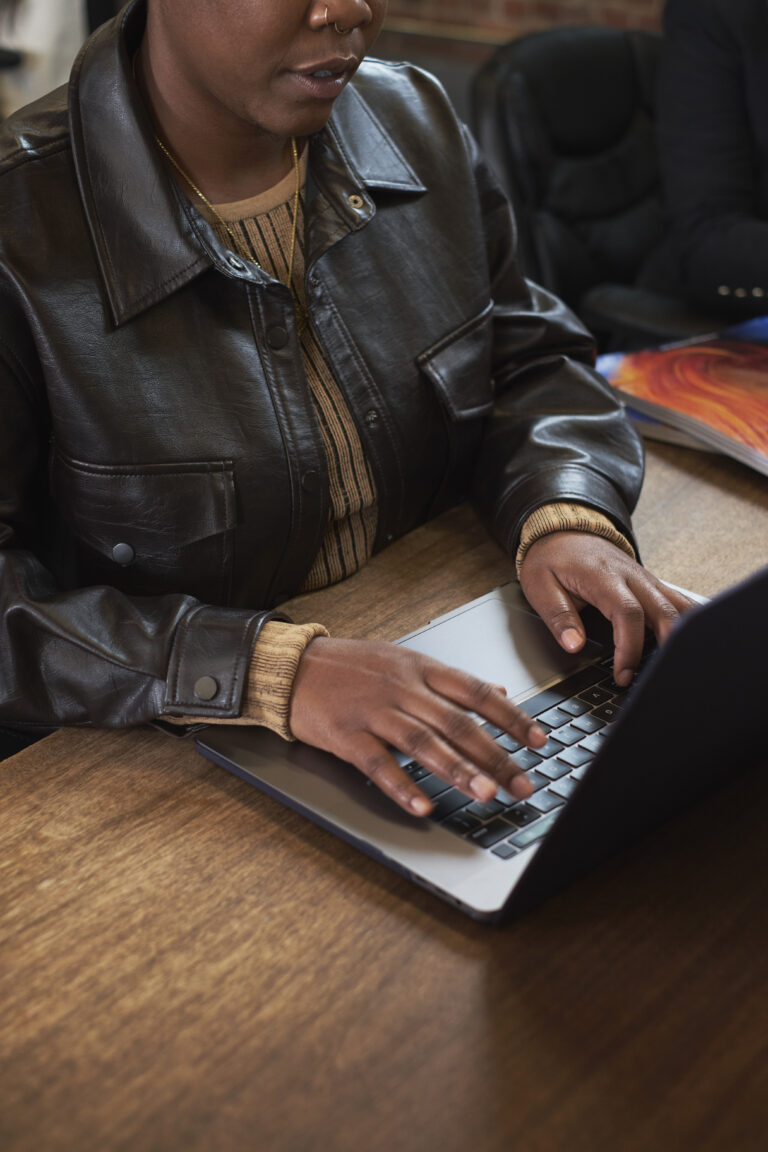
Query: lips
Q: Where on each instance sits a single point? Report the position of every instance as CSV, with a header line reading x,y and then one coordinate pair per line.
x,y
325,79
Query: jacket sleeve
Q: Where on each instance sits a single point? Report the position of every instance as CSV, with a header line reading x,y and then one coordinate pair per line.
x,y
557,433
707,106
92,655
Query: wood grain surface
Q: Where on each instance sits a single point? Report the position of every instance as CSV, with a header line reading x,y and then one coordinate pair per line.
x,y
184,964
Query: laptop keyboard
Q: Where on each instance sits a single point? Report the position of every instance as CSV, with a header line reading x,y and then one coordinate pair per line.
x,y
576,714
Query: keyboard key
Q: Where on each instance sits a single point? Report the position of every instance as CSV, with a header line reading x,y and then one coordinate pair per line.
x,y
448,802
521,815
484,811
575,756
545,801
595,695
579,772
551,748
505,850
527,759
566,787
594,742
554,717
537,780
615,689
433,786
506,741
461,822
493,730
416,771
588,723
489,835
553,769
574,706
533,833
568,735
607,712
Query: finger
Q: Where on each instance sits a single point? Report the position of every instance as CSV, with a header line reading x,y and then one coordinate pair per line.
x,y
475,695
559,610
456,748
664,607
628,619
371,757
649,604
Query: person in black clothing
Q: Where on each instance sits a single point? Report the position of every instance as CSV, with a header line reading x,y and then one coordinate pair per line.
x,y
713,139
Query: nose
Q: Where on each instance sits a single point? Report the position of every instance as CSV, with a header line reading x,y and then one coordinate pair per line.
x,y
343,16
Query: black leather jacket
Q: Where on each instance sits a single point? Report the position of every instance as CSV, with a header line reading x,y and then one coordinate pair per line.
x,y
162,474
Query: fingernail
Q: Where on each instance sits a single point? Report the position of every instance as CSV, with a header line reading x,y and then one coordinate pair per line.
x,y
482,788
521,786
571,639
420,805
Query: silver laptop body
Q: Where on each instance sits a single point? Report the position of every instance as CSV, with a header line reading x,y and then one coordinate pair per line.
x,y
647,769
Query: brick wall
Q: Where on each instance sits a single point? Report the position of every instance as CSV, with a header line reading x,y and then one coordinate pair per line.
x,y
497,20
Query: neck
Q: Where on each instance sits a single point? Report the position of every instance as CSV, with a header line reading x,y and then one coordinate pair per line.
x,y
227,159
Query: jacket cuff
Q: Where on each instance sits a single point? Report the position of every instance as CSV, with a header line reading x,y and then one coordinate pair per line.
x,y
567,517
563,485
207,670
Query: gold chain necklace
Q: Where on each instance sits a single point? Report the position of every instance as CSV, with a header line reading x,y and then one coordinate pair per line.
x,y
235,242
301,312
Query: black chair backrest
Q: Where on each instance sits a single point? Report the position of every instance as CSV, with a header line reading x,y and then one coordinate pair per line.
x,y
9,58
566,118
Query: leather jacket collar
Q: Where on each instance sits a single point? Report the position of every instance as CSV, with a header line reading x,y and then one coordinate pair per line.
x,y
149,239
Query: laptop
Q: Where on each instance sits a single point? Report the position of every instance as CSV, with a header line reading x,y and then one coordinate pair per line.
x,y
616,763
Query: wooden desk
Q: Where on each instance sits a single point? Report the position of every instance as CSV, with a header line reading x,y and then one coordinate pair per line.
x,y
186,965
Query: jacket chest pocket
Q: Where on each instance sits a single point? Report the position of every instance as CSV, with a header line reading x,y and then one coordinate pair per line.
x,y
459,367
151,529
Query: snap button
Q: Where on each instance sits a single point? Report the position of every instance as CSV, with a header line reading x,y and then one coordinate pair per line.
x,y
236,263
123,554
277,337
356,201
310,480
206,688
758,292
723,290
740,292
372,417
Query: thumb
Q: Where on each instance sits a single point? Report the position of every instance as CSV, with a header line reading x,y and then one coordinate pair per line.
x,y
558,610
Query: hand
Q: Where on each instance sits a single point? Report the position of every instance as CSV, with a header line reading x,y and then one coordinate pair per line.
x,y
566,570
360,699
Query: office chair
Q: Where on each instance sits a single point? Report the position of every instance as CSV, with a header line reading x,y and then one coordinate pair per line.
x,y
565,117
9,58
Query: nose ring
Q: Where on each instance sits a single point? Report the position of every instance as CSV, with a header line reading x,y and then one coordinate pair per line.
x,y
339,31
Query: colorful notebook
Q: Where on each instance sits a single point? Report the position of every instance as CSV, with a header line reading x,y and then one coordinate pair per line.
x,y
711,392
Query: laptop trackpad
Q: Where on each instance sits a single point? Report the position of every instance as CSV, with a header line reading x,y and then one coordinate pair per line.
x,y
500,639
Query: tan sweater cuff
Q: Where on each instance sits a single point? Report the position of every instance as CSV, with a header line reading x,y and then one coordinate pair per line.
x,y
563,517
274,662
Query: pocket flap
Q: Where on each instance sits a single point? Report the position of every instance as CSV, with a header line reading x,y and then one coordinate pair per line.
x,y
459,366
157,509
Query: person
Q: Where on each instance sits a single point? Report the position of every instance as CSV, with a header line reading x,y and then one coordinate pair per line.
x,y
713,148
259,316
